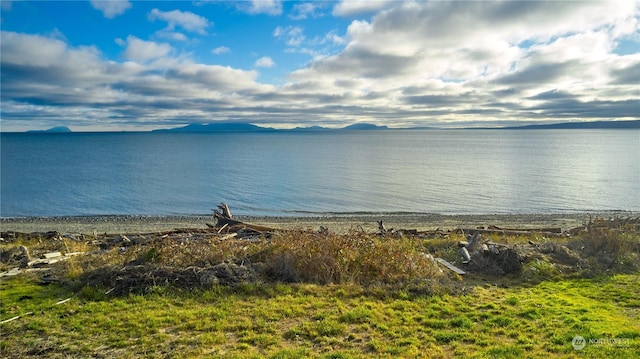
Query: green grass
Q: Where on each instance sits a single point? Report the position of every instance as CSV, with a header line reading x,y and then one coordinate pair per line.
x,y
346,296
324,321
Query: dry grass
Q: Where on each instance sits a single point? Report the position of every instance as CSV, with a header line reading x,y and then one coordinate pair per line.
x,y
356,257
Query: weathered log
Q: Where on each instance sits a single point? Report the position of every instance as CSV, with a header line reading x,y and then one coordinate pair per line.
x,y
51,255
226,212
472,241
228,236
225,223
466,258
451,266
223,216
383,231
544,229
222,220
522,232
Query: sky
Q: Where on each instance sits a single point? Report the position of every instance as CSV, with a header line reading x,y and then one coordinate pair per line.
x,y
142,65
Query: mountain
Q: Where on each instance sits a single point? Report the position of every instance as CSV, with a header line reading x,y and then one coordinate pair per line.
x,y
248,127
310,129
218,127
57,129
365,127
582,125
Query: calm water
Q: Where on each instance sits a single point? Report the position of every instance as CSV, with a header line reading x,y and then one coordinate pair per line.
x,y
448,171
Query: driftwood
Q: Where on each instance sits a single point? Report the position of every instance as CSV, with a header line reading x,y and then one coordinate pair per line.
x,y
547,231
552,232
489,257
225,223
451,266
382,231
223,216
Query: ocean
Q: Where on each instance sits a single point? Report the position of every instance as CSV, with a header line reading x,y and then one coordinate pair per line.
x,y
318,173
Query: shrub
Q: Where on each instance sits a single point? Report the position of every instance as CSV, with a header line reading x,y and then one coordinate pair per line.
x,y
355,257
608,247
539,270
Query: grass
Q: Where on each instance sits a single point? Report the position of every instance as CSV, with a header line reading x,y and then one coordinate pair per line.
x,y
327,296
325,321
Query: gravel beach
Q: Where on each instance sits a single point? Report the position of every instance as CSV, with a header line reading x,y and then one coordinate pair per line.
x,y
335,223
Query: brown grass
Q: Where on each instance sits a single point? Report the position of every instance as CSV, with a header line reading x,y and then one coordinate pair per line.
x,y
356,257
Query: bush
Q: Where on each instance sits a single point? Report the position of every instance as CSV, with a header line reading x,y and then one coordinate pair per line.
x,y
351,258
539,270
614,249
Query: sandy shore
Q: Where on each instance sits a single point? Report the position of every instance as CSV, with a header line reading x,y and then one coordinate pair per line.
x,y
335,223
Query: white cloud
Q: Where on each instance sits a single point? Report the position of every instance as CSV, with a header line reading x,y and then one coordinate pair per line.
x,y
75,84
111,8
264,61
413,63
221,50
31,50
254,7
357,7
185,19
292,35
333,38
459,55
141,50
303,11
172,35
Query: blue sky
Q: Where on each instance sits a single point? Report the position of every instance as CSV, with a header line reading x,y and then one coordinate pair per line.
x,y
140,65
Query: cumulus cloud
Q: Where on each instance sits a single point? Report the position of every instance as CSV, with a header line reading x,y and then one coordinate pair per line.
x,y
304,10
141,50
184,19
269,7
414,63
459,55
111,8
357,7
264,61
333,38
292,35
221,50
55,82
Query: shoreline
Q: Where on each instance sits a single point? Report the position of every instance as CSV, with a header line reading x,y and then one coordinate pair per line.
x,y
334,222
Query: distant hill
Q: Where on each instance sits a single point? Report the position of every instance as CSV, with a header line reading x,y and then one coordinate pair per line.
x,y
365,127
583,125
310,129
57,129
218,127
248,127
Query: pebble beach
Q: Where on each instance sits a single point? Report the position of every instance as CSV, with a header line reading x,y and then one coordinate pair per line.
x,y
335,223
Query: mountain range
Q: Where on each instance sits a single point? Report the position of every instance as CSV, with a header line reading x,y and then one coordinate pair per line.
x,y
225,126
248,127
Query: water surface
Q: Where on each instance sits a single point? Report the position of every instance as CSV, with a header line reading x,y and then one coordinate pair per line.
x,y
285,173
